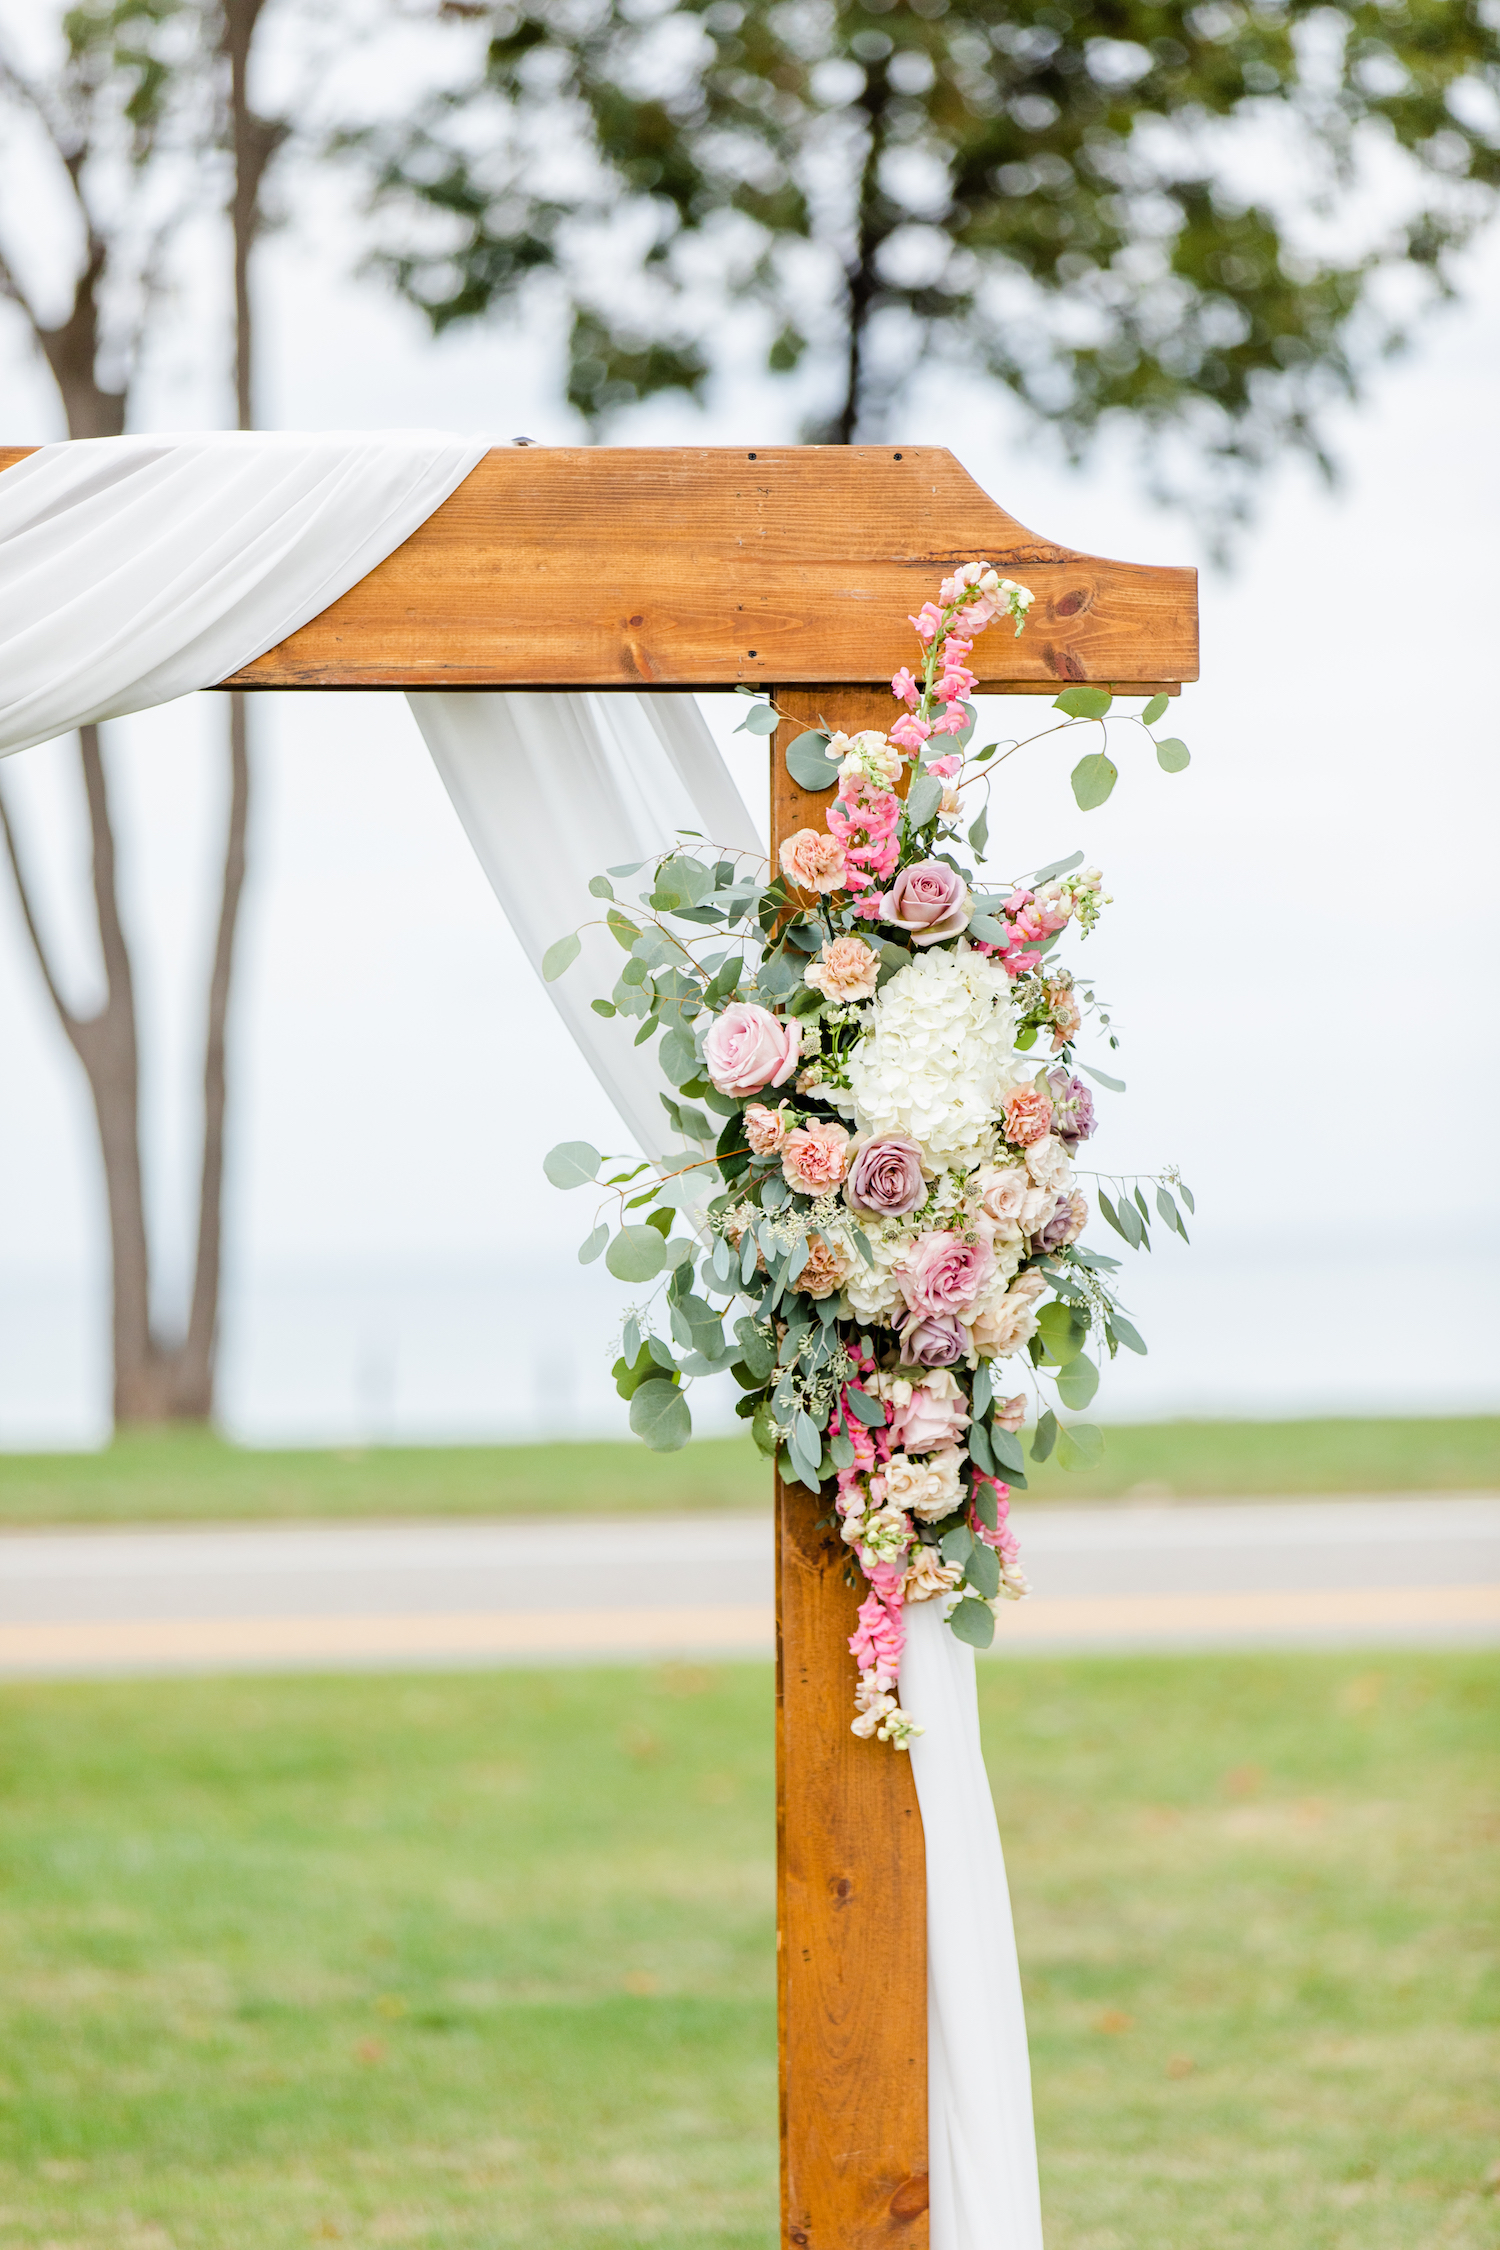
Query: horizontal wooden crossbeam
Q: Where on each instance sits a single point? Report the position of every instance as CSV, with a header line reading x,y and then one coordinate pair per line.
x,y
715,567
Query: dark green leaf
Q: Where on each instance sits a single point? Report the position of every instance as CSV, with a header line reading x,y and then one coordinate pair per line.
x,y
979,1449
956,1545
985,1505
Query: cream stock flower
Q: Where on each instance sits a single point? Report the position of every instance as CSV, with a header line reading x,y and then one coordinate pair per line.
x,y
869,754
929,1577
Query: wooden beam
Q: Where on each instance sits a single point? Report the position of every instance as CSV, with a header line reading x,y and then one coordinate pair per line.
x,y
851,1871
705,567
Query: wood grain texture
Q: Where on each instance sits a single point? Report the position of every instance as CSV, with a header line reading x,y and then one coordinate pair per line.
x,y
692,566
851,1871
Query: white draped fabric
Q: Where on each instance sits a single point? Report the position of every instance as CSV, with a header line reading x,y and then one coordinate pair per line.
x,y
134,570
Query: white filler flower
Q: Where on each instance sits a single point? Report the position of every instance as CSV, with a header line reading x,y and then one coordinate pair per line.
x,y
938,1057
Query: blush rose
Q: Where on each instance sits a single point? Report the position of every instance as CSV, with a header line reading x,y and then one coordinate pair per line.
x,y
930,901
942,1273
749,1048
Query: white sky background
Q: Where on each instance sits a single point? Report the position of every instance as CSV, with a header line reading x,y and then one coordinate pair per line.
x,y
1300,957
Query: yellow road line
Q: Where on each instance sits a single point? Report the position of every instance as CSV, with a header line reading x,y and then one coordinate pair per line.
x,y
729,1629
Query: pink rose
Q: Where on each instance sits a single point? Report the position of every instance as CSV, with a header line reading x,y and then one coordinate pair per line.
x,y
748,1048
930,901
846,971
930,1418
942,1273
1028,1116
812,861
765,1129
815,1157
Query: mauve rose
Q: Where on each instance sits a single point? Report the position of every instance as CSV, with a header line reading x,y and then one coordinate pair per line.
x,y
1066,1223
748,1048
930,901
936,1342
886,1181
1073,1107
942,1273
929,1418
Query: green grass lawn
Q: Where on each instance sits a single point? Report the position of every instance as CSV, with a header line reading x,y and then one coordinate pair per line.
x,y
186,1475
479,1960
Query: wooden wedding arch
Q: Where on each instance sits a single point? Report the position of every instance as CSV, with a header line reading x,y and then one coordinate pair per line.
x,y
791,568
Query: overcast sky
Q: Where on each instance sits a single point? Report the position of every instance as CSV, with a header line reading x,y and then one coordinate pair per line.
x,y
1301,954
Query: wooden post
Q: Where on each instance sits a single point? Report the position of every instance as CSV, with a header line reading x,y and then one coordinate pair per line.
x,y
851,1875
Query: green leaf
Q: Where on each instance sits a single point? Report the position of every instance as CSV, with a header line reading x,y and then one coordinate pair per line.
x,y
973,1622
571,1164
1130,1337
624,929
1062,1332
1079,1446
1006,1447
561,956
1077,1382
762,720
758,1349
865,1409
979,833
1102,1078
604,1007
600,886
982,1389
1154,709
1093,779
923,799
659,1414
636,1254
1111,1214
761,1431
808,762
593,1246
991,930
982,1571
979,1449
1187,1195
678,1055
1168,1210
1172,755
1045,1436
1084,702
1058,867
957,1545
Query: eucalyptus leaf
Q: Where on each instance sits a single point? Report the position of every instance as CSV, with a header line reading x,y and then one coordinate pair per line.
x,y
1155,710
636,1254
957,1545
808,762
1077,1382
1058,867
1062,1332
1172,755
979,833
864,1408
1093,778
986,1506
1187,1195
982,1571
623,929
571,1164
923,799
979,1449
1168,1210
678,1055
1079,1446
1129,1336
560,956
991,931
1102,1078
974,1623
1084,702
659,1414
1045,1436
982,1390
1006,1447
595,1243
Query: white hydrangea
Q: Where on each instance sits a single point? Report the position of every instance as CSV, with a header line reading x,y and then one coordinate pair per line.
x,y
938,1058
872,1291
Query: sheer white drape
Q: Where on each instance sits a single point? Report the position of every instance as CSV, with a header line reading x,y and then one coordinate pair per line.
x,y
133,570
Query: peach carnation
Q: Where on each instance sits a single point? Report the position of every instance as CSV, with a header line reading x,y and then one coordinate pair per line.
x,y
1028,1115
815,1157
813,861
765,1129
846,971
826,1271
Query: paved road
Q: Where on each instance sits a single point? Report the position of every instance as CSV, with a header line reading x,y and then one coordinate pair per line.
x,y
1420,1571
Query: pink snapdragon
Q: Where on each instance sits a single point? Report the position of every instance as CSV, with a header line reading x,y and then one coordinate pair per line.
x,y
928,621
910,732
879,1638
904,688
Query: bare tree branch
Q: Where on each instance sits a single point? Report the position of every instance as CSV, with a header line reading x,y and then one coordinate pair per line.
x,y
65,1016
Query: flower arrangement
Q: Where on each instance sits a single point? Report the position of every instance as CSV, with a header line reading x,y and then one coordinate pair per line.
x,y
876,1161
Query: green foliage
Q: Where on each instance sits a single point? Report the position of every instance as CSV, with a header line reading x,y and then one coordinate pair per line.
x,y
659,1414
571,1164
1093,778
1098,227
1172,755
974,1622
560,956
1084,702
636,1254
923,798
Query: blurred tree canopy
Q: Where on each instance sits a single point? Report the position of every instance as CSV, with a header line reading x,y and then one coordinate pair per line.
x,y
1206,219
